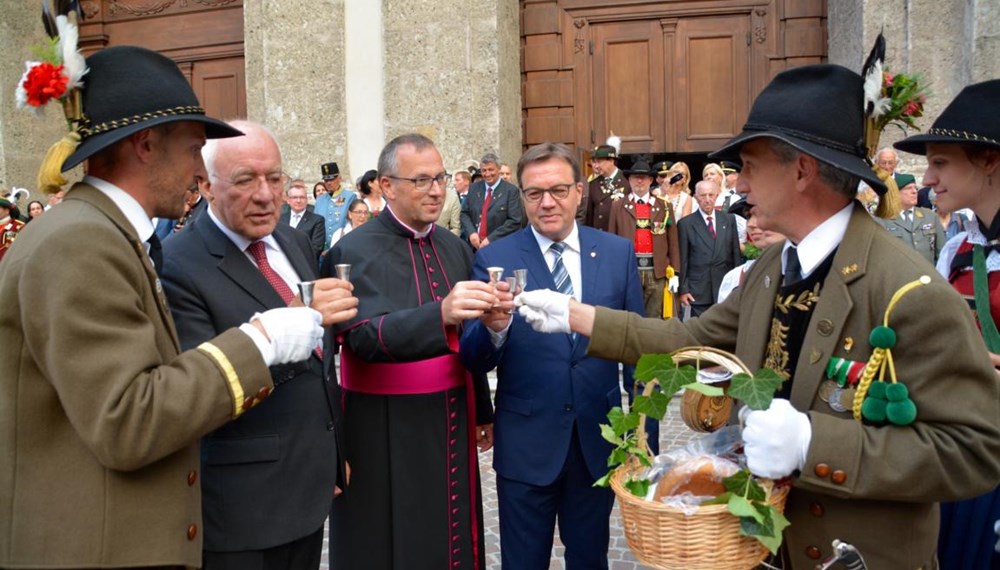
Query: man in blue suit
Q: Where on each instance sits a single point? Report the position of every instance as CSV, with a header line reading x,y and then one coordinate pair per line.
x,y
550,396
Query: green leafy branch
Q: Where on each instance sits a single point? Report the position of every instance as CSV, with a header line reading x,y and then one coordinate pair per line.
x,y
744,497
747,500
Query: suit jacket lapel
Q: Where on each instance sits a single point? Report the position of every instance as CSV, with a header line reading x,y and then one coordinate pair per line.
x,y
539,275
701,228
107,207
834,307
758,294
590,262
235,265
300,263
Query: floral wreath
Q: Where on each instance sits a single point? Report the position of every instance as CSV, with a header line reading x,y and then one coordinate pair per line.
x,y
56,75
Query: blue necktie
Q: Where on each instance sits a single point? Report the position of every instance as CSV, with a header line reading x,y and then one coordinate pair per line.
x,y
559,274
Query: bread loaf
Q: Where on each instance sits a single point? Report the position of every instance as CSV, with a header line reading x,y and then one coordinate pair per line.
x,y
701,476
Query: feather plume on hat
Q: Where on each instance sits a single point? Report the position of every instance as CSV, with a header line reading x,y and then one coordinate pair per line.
x,y
62,65
875,105
616,142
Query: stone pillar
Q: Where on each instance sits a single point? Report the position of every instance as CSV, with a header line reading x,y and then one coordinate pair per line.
x,y
23,137
453,74
295,80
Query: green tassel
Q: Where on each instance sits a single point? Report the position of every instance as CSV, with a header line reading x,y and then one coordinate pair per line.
x,y
896,392
901,412
874,410
882,337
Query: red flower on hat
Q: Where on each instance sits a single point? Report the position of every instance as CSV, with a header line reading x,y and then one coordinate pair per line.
x,y
44,82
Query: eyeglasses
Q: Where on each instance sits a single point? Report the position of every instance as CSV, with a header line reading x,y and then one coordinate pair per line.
x,y
248,181
559,192
424,183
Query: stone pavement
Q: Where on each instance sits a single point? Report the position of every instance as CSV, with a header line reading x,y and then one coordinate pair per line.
x,y
673,433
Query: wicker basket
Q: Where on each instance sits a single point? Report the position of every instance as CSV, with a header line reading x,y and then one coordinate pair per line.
x,y
663,537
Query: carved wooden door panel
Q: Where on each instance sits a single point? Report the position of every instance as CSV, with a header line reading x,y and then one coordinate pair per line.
x,y
712,67
221,87
627,71
204,37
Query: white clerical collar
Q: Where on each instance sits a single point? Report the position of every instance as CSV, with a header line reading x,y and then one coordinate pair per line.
x,y
823,239
572,241
128,205
416,234
239,241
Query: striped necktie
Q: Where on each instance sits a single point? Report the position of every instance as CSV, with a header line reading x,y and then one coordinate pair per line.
x,y
559,274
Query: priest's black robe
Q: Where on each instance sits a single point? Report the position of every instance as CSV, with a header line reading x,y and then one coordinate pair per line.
x,y
414,498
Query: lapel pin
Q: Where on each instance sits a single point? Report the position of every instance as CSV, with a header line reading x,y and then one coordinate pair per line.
x,y
593,254
848,344
847,270
767,281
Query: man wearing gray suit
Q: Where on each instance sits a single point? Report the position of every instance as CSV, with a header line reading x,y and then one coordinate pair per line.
x,y
710,247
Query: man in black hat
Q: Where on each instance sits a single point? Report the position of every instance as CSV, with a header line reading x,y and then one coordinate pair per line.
x,y
102,413
649,223
608,186
333,205
812,310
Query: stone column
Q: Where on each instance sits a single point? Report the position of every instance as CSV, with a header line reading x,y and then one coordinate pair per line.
x,y
453,74
23,137
295,80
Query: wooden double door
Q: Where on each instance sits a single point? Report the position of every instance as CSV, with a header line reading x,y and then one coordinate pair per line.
x,y
682,92
676,76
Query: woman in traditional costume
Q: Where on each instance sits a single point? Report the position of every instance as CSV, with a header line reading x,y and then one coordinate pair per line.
x,y
963,158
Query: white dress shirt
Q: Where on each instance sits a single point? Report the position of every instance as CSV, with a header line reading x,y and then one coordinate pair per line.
x,y
128,205
276,258
818,244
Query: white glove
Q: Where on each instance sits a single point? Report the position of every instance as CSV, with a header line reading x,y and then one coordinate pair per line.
x,y
294,332
776,440
673,284
545,310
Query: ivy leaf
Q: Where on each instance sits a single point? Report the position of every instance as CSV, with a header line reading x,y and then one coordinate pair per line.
x,y
741,507
653,405
673,380
780,522
638,487
621,422
609,435
706,389
617,457
755,391
652,366
758,530
743,484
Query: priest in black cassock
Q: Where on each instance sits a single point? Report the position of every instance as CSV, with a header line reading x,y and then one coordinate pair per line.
x,y
413,414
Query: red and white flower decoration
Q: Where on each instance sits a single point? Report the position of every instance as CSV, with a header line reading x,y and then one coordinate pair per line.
x,y
60,70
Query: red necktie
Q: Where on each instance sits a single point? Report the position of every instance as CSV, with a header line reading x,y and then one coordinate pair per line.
x,y
711,227
482,215
256,250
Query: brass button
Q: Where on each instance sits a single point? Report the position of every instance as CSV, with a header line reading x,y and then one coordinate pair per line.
x,y
813,552
263,393
816,509
825,327
192,478
838,477
192,531
247,403
822,470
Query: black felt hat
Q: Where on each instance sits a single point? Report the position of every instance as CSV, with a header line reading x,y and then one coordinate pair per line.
x,y
330,170
818,110
129,89
740,208
970,118
641,167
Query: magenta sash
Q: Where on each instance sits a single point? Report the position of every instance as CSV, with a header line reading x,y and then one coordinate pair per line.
x,y
397,378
